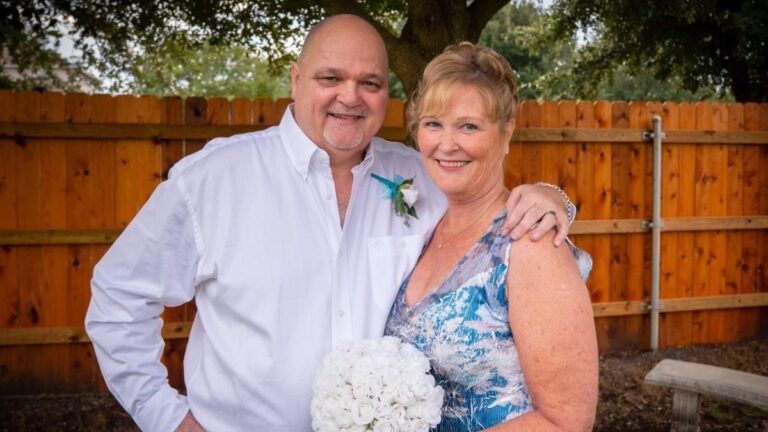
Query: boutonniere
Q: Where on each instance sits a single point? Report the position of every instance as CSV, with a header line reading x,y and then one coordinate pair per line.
x,y
403,195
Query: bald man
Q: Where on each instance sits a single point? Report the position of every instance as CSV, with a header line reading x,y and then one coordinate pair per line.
x,y
284,240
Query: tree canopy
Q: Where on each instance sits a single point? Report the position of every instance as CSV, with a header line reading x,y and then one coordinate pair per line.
x,y
704,44
576,49
111,33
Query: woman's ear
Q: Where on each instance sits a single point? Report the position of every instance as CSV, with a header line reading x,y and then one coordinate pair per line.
x,y
509,129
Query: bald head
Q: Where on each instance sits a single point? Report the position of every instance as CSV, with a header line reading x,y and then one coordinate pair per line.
x,y
340,86
343,24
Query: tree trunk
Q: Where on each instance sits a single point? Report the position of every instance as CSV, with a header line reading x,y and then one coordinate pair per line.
x,y
430,26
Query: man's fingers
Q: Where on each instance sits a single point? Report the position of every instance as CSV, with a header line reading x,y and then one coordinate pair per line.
x,y
562,230
515,211
530,219
546,223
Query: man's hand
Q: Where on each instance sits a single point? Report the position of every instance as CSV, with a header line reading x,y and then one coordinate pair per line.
x,y
535,209
189,424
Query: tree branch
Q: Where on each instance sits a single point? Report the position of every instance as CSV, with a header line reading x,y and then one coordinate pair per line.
x,y
335,7
480,12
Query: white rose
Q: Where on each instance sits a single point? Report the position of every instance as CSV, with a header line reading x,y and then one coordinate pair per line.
x,y
362,413
384,426
410,195
415,411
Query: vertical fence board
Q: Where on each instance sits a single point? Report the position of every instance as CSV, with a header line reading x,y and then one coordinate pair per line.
x,y
125,155
79,209
734,207
719,168
638,117
9,287
748,318
602,271
195,113
531,151
620,166
583,194
566,152
686,208
30,365
548,162
53,304
173,150
102,161
762,271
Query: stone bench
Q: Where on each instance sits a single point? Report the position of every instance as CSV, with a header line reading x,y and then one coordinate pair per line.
x,y
691,380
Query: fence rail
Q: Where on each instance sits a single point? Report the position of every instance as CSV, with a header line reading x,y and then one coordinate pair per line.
x,y
161,132
74,170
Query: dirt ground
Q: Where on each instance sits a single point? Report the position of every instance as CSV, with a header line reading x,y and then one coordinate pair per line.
x,y
625,404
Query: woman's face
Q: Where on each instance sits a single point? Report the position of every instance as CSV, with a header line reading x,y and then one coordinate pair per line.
x,y
462,147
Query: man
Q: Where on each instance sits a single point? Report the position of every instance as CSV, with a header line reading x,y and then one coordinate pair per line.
x,y
286,242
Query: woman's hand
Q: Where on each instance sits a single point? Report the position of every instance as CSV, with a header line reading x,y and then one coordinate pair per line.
x,y
189,424
535,209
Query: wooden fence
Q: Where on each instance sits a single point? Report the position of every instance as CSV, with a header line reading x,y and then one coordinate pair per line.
x,y
74,169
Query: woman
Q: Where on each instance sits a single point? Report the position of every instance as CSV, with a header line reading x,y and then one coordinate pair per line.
x,y
507,325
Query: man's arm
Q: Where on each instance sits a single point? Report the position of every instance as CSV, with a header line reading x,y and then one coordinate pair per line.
x,y
537,208
151,265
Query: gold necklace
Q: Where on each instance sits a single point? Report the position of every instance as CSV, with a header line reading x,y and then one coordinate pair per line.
x,y
441,240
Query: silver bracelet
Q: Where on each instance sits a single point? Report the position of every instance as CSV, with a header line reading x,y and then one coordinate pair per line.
x,y
564,196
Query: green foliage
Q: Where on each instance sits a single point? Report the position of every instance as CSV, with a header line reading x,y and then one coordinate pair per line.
x,y
115,37
29,40
208,70
704,44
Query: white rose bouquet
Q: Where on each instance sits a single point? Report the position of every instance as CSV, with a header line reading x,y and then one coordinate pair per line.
x,y
375,385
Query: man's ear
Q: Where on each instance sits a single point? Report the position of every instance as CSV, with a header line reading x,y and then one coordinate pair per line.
x,y
294,78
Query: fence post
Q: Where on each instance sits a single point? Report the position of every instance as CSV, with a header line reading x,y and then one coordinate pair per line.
x,y
656,225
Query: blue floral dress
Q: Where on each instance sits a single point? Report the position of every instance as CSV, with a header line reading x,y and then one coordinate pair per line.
x,y
463,328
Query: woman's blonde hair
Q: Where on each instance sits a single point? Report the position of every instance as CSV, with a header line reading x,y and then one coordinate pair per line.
x,y
465,63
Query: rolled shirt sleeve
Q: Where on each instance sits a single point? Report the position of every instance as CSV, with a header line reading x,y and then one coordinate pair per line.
x,y
151,265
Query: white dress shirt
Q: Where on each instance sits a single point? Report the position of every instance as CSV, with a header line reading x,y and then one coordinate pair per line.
x,y
249,227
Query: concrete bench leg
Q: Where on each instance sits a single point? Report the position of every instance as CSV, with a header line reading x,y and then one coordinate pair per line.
x,y
685,411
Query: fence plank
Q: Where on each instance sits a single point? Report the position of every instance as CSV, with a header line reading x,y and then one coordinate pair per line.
x,y
79,260
686,205
718,248
29,362
620,166
603,190
751,170
762,271
548,161
734,206
583,195
672,327
638,116
172,150
531,114
102,162
53,304
9,287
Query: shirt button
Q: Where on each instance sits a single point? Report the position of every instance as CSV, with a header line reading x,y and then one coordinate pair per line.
x,y
402,243
340,312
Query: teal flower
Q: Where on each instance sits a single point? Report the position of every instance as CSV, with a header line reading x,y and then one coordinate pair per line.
x,y
403,195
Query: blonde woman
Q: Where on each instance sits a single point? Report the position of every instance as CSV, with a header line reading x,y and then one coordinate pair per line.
x,y
507,325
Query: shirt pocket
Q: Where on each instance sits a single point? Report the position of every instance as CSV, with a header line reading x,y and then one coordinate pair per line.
x,y
391,260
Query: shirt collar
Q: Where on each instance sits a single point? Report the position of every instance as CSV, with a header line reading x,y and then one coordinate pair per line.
x,y
301,149
296,143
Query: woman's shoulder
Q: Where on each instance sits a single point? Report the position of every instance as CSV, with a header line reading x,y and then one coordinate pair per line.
x,y
543,260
